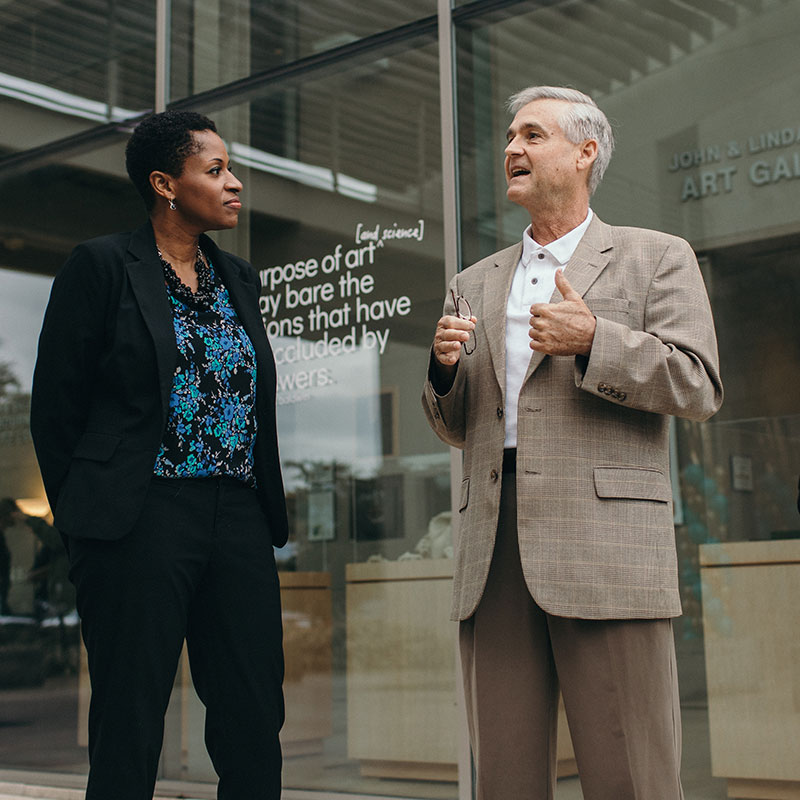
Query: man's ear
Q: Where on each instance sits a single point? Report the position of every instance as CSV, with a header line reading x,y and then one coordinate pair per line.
x,y
587,154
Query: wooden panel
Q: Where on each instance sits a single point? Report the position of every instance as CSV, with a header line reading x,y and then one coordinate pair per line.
x,y
307,637
752,644
764,790
742,553
414,570
401,672
401,651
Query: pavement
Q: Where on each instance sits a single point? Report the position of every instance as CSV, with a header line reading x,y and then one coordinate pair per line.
x,y
23,791
698,783
20,791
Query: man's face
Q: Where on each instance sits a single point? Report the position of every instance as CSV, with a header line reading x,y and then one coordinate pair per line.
x,y
543,168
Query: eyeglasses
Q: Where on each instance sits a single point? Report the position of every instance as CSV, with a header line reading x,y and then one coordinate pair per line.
x,y
464,311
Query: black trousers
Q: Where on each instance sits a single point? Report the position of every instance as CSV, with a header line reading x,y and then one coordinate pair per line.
x,y
198,565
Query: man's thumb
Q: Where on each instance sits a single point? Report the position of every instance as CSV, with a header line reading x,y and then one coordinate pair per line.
x,y
563,286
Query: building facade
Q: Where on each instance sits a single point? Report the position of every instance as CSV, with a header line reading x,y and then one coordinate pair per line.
x,y
369,138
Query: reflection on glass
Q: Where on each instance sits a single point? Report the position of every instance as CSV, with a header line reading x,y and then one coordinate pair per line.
x,y
705,150
74,65
691,162
351,291
343,184
39,633
261,36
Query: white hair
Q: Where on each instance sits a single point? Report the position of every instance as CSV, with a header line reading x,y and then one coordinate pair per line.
x,y
580,121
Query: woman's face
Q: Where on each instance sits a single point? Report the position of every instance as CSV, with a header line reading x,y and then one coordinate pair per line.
x,y
207,192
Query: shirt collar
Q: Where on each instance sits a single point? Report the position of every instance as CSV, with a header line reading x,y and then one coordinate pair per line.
x,y
561,249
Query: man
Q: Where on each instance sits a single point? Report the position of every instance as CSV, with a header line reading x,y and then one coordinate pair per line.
x,y
555,368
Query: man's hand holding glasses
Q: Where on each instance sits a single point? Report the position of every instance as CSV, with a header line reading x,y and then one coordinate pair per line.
x,y
454,335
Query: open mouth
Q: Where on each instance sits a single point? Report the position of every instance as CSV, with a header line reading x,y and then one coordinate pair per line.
x,y
517,171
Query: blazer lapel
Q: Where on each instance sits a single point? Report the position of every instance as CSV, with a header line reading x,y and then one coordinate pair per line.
x,y
495,301
589,259
147,281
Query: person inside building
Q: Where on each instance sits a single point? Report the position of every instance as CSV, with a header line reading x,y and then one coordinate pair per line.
x,y
555,367
153,418
10,514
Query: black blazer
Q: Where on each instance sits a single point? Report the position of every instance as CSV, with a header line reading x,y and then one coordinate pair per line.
x,y
103,378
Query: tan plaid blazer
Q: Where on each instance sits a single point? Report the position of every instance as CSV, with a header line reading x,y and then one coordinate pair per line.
x,y
594,500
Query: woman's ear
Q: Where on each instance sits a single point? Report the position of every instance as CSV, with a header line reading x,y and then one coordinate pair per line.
x,y
162,185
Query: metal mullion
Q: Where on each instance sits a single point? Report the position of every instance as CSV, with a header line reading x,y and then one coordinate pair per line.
x,y
163,45
452,264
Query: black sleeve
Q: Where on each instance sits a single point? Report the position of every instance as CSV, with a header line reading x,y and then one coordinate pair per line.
x,y
70,345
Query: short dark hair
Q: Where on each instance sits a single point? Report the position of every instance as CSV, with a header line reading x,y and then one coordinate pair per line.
x,y
162,142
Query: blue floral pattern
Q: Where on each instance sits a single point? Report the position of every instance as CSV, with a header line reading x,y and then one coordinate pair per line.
x,y
211,427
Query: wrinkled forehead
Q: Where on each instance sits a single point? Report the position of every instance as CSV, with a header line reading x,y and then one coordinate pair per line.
x,y
545,114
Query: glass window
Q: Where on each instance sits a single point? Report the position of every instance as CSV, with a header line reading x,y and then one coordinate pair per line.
x,y
73,65
43,680
343,194
343,197
39,632
342,181
706,149
216,42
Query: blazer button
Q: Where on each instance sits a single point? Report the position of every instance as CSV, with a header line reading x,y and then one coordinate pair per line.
x,y
494,475
499,413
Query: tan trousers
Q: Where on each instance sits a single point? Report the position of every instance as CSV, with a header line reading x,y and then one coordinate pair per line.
x,y
618,679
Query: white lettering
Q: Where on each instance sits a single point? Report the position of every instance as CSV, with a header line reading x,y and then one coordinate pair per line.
x,y
707,183
784,168
690,190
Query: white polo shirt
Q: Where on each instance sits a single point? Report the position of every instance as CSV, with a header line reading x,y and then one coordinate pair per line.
x,y
534,282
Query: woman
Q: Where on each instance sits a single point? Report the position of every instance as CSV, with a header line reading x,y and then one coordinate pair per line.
x,y
153,417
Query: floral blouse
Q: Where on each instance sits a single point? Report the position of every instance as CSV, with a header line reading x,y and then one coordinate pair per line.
x,y
211,426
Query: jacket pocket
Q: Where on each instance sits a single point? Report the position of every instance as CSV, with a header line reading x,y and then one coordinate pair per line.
x,y
464,494
96,446
613,308
632,483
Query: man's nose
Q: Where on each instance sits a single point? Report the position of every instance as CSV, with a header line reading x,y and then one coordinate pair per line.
x,y
513,146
